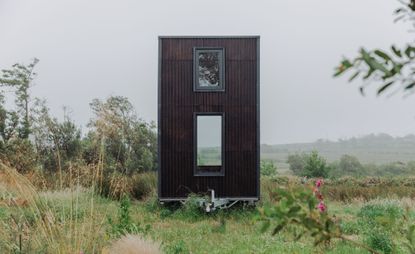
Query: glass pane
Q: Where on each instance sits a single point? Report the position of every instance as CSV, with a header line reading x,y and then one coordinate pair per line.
x,y
209,140
209,69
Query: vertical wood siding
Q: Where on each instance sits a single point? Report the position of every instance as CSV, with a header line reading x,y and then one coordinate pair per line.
x,y
178,102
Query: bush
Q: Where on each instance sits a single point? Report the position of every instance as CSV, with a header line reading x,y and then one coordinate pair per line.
x,y
383,214
143,185
315,166
297,163
178,247
138,186
20,154
124,224
350,227
268,168
380,240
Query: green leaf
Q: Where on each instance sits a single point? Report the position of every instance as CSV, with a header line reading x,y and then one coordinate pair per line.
x,y
354,76
369,73
278,228
373,64
383,55
346,64
408,52
265,226
396,51
293,210
385,86
410,86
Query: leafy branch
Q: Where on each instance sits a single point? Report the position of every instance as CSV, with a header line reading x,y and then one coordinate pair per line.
x,y
391,68
306,209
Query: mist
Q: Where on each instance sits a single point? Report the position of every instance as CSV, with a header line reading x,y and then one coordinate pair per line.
x,y
94,49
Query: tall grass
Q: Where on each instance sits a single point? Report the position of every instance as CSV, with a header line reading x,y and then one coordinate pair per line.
x,y
53,222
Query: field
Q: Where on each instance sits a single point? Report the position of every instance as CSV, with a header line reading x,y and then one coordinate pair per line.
x,y
371,149
77,220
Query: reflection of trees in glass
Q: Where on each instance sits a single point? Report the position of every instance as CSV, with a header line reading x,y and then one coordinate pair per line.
x,y
209,69
209,156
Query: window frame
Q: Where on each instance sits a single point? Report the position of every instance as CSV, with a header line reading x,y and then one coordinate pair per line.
x,y
196,86
198,170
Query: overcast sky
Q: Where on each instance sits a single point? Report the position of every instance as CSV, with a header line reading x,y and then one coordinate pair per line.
x,y
96,48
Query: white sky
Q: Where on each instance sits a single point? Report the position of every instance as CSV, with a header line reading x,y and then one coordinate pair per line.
x,y
96,48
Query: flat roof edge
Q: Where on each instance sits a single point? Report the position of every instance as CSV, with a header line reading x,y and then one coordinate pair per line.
x,y
209,37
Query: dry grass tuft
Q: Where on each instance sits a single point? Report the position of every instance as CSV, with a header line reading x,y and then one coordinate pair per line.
x,y
133,244
39,224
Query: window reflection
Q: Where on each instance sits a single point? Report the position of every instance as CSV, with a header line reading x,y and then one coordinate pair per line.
x,y
209,140
209,69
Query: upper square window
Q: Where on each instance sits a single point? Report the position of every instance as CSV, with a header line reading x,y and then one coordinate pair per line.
x,y
208,67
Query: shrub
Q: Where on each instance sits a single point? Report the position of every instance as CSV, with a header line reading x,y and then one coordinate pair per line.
x,y
124,224
268,168
178,247
381,214
380,240
350,227
20,154
143,184
297,162
315,166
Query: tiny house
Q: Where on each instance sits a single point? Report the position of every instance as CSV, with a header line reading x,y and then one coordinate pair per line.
x,y
208,117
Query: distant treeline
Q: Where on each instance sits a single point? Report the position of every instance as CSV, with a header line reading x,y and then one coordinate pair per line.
x,y
314,165
371,149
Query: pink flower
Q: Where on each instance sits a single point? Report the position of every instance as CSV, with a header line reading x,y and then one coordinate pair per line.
x,y
321,207
319,183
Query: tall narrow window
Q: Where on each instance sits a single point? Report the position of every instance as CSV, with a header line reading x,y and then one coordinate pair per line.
x,y
209,144
208,67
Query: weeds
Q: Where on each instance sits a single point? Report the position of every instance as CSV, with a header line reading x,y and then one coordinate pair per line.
x,y
124,224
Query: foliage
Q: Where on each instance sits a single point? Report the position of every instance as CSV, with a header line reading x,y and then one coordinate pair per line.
x,y
124,224
380,240
20,78
178,247
268,168
389,69
310,165
315,166
300,207
350,165
297,162
126,143
57,143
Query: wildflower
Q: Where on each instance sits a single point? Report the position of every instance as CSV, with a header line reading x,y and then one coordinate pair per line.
x,y
321,207
319,183
319,196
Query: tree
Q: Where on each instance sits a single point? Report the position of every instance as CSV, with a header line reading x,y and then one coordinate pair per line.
x,y
56,142
20,78
393,68
119,138
315,166
268,168
350,165
297,162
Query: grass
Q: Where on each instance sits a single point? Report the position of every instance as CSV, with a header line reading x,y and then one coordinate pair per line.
x,y
76,219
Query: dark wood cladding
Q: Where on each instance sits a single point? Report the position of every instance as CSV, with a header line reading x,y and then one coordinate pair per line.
x,y
178,103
